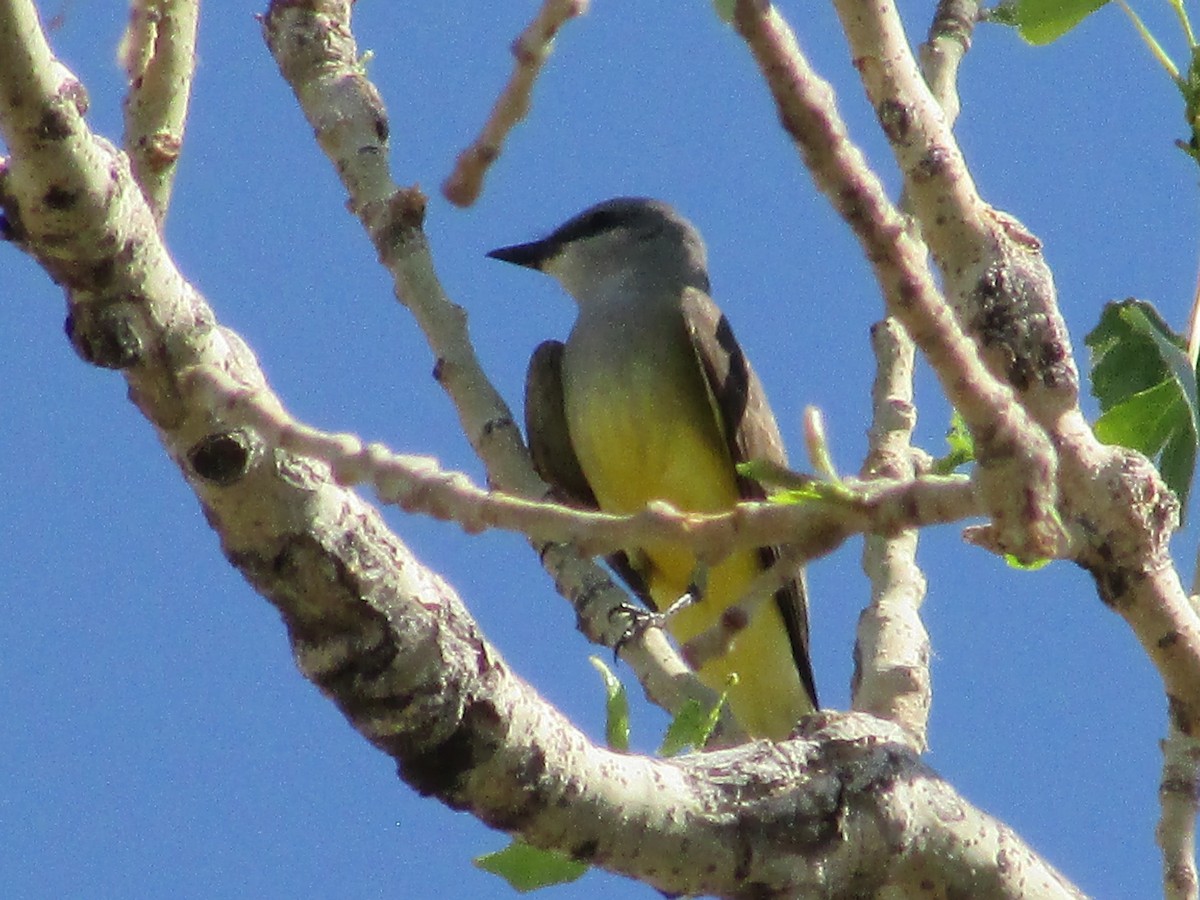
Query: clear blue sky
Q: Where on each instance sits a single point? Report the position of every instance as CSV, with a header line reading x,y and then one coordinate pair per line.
x,y
157,739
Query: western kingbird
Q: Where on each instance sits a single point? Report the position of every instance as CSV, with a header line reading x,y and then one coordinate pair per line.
x,y
651,398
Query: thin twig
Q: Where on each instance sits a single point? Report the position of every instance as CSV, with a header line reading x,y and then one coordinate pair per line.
x,y
419,484
1175,834
159,55
943,51
531,50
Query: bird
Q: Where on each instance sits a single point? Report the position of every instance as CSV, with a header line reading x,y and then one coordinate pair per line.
x,y
651,398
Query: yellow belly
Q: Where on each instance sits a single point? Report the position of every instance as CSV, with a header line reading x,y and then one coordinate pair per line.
x,y
642,438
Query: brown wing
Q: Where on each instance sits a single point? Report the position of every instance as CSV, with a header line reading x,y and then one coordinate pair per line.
x,y
553,454
752,433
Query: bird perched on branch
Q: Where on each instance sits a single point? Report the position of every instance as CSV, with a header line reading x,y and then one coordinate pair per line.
x,y
652,398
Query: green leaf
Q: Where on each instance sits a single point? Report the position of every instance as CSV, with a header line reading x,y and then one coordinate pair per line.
x,y
959,439
787,487
961,444
693,725
1044,21
782,484
616,720
1177,465
1146,386
1003,14
1022,566
1124,356
691,728
772,475
527,868
1145,421
815,491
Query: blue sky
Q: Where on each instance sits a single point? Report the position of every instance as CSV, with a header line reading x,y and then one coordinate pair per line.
x,y
157,738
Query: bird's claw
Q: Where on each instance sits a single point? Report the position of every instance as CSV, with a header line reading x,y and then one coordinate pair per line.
x,y
640,620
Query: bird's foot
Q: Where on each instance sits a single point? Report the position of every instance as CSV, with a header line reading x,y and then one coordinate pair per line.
x,y
640,620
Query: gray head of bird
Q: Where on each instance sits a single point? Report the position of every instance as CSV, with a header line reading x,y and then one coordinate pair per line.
x,y
615,245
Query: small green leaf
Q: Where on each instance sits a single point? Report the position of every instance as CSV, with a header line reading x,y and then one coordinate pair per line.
x,y
527,868
691,728
800,495
1021,566
616,720
788,487
1044,21
1189,86
693,725
784,485
961,444
959,439
772,475
1146,386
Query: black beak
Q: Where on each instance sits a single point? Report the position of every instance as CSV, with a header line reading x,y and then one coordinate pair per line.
x,y
532,255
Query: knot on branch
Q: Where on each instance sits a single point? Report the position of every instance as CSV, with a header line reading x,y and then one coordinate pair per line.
x,y
106,334
397,224
222,458
1011,309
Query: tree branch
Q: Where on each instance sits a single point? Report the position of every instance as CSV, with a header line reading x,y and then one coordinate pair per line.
x,y
891,654
1119,512
531,49
159,56
1179,794
942,53
1017,468
418,484
994,274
